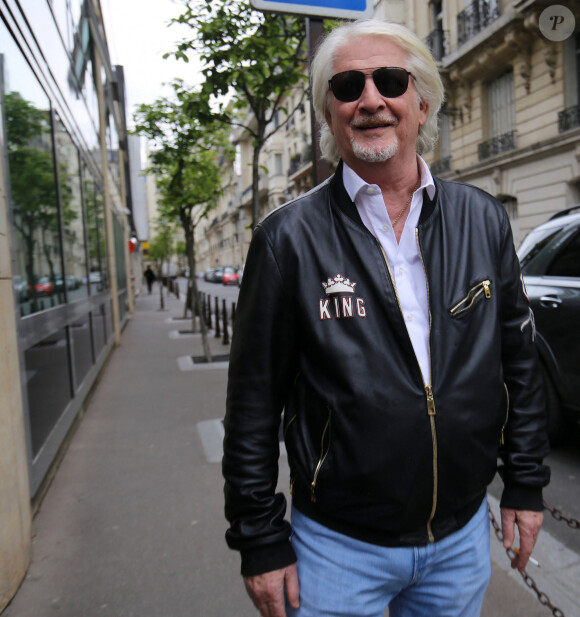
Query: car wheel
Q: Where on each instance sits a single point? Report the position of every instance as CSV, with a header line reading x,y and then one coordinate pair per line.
x,y
557,425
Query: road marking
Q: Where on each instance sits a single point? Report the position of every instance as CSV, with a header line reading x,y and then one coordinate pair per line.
x,y
186,363
211,433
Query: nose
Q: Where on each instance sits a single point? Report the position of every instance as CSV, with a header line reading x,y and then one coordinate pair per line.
x,y
371,99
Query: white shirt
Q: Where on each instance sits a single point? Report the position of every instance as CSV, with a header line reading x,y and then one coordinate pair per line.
x,y
403,257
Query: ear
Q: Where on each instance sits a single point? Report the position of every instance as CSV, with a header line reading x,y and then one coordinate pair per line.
x,y
423,112
328,118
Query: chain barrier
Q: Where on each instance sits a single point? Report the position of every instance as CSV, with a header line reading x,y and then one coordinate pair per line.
x,y
543,599
557,514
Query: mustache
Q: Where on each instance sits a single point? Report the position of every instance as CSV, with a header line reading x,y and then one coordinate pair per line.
x,y
374,120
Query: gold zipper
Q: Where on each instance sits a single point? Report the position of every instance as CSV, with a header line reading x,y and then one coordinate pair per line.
x,y
321,460
507,411
430,407
431,412
472,294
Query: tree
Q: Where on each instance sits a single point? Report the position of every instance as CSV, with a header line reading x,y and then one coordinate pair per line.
x,y
160,251
188,145
256,58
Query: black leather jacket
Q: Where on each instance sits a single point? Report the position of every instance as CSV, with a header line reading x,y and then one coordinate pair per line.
x,y
374,452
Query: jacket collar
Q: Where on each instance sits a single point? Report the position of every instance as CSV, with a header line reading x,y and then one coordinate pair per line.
x,y
341,198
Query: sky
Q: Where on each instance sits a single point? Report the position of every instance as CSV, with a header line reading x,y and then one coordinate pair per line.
x,y
138,35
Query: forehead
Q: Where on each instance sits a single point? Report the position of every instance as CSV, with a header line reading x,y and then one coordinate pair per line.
x,y
368,52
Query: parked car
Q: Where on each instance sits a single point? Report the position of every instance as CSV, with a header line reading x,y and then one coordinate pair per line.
x,y
43,286
214,275
21,288
550,259
230,276
96,280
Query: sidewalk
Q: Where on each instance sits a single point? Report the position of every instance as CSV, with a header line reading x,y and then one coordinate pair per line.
x,y
133,523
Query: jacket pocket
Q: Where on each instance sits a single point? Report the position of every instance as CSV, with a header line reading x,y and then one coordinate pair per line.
x,y
480,291
324,449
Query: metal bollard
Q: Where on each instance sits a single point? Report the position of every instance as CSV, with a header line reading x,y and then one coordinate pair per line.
x,y
226,338
209,324
217,318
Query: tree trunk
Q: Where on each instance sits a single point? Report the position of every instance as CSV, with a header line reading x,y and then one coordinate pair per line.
x,y
256,185
189,230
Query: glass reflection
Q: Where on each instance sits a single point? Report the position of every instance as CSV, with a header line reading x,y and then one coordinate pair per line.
x,y
33,191
75,263
48,385
95,232
82,348
98,320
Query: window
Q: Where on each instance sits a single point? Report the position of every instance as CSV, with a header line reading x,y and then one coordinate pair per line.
x,y
69,175
502,116
501,105
278,164
32,182
567,262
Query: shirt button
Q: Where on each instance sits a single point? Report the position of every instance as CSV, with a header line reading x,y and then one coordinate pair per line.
x,y
409,316
401,270
386,228
371,190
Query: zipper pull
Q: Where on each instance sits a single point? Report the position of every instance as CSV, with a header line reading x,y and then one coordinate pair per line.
x,y
486,289
430,401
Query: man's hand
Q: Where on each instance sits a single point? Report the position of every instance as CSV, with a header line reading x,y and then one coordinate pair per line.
x,y
267,591
529,524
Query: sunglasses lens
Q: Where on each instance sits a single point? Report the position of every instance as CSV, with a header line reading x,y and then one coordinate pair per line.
x,y
391,83
348,86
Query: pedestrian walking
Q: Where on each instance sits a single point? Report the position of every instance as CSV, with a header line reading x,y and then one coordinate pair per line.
x,y
384,313
149,278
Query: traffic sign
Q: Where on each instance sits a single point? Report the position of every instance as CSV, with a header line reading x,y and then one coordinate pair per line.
x,y
333,9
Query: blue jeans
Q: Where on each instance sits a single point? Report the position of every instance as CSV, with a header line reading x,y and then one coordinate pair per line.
x,y
341,576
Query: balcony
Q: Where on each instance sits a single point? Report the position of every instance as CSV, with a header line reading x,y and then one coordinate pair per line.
x,y
436,42
569,118
477,16
497,145
441,166
300,160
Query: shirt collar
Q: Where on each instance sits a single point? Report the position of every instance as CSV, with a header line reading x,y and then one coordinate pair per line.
x,y
353,183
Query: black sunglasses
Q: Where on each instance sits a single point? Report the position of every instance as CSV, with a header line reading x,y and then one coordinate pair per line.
x,y
391,82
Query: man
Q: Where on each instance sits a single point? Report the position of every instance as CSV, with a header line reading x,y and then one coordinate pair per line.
x,y
384,313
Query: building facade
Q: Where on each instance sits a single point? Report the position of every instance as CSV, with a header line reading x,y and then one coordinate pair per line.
x,y
510,124
64,251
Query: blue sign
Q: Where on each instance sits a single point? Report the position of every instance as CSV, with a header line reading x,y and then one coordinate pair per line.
x,y
333,9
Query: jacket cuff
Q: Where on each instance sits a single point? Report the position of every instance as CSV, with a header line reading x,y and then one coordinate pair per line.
x,y
522,498
267,558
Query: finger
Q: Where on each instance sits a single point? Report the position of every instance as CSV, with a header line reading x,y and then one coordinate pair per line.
x,y
508,520
292,587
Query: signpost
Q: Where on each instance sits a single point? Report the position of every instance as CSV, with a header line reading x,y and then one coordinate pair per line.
x,y
332,9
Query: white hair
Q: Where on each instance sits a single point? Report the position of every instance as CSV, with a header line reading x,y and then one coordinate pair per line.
x,y
420,63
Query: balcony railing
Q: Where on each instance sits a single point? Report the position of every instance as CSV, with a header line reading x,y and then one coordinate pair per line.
x,y
300,160
569,118
436,43
497,145
441,166
477,16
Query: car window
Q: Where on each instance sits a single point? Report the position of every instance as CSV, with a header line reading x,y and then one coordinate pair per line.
x,y
567,261
534,244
